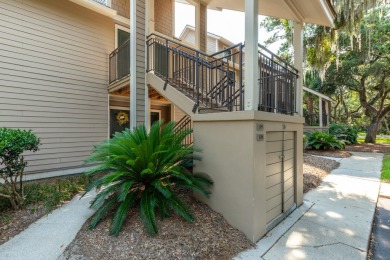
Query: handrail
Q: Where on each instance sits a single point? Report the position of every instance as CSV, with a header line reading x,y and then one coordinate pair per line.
x,y
184,124
120,62
193,49
278,57
120,47
198,74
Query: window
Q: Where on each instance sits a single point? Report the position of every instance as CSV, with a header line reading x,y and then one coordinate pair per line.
x,y
122,34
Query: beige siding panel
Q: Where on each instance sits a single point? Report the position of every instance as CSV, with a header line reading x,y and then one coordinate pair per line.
x,y
289,154
211,45
122,6
289,202
58,155
288,164
70,23
54,77
273,180
273,158
274,191
179,114
272,169
163,17
53,167
288,173
273,202
24,88
280,185
274,136
189,38
274,146
288,135
273,213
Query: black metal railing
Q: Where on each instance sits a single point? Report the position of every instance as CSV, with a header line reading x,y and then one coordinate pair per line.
x,y
314,119
185,124
211,81
120,62
277,83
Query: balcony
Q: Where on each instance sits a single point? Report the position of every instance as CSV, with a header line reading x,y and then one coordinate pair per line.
x,y
120,63
214,82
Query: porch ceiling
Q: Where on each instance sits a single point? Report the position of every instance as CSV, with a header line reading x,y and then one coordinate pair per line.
x,y
309,11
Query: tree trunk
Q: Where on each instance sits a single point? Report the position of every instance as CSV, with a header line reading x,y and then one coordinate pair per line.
x,y
371,132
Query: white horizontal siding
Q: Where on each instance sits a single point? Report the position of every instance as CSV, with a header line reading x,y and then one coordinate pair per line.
x,y
54,77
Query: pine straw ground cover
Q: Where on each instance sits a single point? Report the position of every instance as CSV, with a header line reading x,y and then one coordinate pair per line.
x,y
329,153
209,237
41,197
369,148
315,169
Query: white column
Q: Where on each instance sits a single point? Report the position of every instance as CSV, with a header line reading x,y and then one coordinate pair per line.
x,y
298,64
251,75
320,111
201,26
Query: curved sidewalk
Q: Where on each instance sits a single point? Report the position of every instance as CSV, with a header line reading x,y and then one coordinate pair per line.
x,y
335,220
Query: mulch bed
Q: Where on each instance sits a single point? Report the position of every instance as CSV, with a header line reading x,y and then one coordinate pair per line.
x,y
315,169
209,237
329,153
13,222
370,148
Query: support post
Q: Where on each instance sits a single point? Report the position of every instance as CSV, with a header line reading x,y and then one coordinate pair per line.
x,y
138,88
201,26
320,112
298,64
251,53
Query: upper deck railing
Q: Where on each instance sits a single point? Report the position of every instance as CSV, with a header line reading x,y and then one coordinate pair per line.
x,y
214,81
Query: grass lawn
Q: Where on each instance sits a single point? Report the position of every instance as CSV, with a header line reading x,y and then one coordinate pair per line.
x,y
386,168
378,140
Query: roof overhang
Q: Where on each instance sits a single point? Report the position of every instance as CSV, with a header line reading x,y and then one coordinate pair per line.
x,y
318,12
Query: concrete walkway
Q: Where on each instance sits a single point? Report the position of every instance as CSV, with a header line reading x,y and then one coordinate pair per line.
x,y
335,220
49,236
381,228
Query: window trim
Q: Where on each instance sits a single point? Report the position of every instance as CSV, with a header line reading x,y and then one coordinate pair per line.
x,y
120,27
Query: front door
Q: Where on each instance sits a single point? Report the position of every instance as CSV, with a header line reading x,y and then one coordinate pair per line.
x,y
155,115
119,121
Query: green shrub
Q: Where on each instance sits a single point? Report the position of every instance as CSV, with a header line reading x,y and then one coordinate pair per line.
x,y
13,142
304,142
50,193
137,168
345,132
323,141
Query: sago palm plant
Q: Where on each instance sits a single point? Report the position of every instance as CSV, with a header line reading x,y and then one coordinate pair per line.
x,y
136,168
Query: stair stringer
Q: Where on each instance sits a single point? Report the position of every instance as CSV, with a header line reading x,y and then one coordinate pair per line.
x,y
171,93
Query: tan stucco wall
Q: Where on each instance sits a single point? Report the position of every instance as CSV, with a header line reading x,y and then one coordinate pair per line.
x,y
237,164
163,17
54,77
